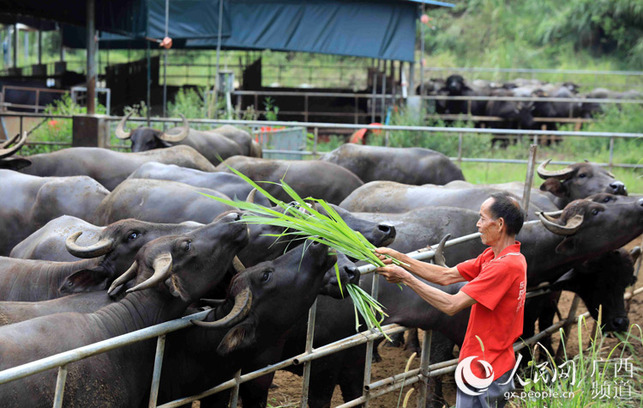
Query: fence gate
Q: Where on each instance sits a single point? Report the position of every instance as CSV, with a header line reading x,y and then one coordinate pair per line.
x,y
284,143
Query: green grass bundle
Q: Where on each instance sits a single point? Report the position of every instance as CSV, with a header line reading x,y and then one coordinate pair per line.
x,y
305,222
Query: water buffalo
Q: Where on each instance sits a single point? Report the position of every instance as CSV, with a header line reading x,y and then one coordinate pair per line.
x,y
456,86
229,184
160,201
29,202
578,180
216,145
601,283
393,197
48,242
408,165
169,273
190,356
106,166
309,178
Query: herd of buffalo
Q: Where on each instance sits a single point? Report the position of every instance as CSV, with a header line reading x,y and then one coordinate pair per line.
x,y
550,101
98,243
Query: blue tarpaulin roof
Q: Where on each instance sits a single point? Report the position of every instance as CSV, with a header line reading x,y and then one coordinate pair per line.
x,y
383,29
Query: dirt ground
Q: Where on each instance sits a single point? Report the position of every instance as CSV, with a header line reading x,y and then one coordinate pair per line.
x,y
394,360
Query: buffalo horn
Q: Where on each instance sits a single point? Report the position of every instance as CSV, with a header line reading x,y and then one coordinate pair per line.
x,y
100,248
5,152
120,131
559,174
573,224
438,258
251,196
241,308
238,265
179,136
129,274
162,266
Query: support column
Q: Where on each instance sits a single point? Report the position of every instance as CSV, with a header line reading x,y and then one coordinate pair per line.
x,y
91,57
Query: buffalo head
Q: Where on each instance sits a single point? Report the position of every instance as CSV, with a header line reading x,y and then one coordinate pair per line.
x,y
591,227
187,265
579,180
145,138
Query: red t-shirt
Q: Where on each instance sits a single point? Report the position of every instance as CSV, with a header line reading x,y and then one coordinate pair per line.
x,y
499,286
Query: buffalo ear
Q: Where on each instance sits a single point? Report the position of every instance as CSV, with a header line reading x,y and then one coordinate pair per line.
x,y
237,338
86,280
554,186
14,163
567,281
566,245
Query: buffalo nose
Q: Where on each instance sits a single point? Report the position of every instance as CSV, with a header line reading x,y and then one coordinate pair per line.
x,y
641,202
618,188
388,230
620,323
352,273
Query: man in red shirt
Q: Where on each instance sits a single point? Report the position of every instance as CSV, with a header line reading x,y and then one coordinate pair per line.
x,y
496,290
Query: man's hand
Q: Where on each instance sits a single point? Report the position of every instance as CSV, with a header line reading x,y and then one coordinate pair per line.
x,y
393,273
391,253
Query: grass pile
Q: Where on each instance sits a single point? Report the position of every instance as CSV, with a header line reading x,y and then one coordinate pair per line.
x,y
303,221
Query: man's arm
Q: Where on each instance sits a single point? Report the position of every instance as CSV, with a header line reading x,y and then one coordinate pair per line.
x,y
433,273
445,302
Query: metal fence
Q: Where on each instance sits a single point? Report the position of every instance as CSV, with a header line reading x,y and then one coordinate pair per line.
x,y
313,128
371,389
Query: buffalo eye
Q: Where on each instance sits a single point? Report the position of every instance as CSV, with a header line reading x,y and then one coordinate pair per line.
x,y
267,275
70,284
595,211
582,175
186,245
132,236
607,199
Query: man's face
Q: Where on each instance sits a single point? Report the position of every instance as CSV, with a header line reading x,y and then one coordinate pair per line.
x,y
487,225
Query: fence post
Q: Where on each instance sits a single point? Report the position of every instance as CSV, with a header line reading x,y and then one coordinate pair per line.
x,y
60,386
569,321
310,336
425,362
530,177
156,374
369,347
305,107
460,149
611,152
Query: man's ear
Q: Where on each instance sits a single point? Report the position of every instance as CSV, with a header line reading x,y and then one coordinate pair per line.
x,y
86,280
237,338
554,186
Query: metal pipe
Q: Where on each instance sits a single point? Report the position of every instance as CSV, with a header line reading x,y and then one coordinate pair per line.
x,y
425,367
167,30
156,374
91,57
219,28
234,398
60,386
80,353
526,195
310,337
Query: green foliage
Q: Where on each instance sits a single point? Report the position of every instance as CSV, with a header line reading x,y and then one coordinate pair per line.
x,y
580,34
54,130
271,109
189,102
593,372
604,26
